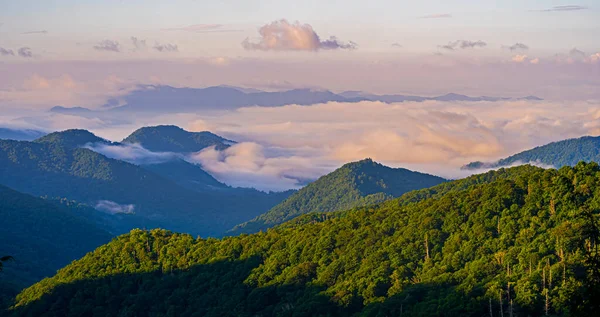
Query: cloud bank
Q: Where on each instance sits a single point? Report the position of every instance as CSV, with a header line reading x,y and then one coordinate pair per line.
x,y
285,36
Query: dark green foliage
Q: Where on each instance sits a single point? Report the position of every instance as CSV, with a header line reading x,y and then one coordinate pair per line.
x,y
54,166
41,237
354,184
557,154
71,138
522,236
169,138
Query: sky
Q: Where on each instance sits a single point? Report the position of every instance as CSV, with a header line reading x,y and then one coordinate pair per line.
x,y
85,52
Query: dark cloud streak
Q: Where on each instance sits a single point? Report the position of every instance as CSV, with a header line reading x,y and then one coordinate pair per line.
x,y
108,45
25,52
6,52
35,32
462,44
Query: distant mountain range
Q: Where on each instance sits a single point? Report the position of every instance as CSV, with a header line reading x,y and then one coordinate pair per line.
x,y
557,154
20,134
175,194
352,185
151,98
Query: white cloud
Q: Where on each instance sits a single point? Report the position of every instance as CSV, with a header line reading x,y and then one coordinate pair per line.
x,y
132,153
113,208
249,164
285,36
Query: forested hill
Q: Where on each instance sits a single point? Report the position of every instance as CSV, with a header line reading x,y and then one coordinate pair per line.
x,y
557,154
515,243
169,138
355,184
55,166
42,236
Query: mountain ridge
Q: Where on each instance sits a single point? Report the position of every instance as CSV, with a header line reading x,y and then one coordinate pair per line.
x,y
354,184
557,154
149,98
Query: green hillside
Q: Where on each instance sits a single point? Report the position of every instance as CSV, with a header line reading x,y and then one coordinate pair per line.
x,y
352,185
558,154
42,236
55,166
520,242
169,138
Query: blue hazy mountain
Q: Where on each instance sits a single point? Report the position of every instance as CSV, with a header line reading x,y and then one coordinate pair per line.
x,y
170,138
20,134
57,166
150,98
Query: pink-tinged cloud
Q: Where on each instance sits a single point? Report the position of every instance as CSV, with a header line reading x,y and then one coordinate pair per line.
x,y
285,36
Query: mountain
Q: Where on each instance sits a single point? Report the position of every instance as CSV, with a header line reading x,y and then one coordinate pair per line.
x,y
56,166
556,154
20,134
514,242
352,185
150,98
42,236
73,138
169,138
186,174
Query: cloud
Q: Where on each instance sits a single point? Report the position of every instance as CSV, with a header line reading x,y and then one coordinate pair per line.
x,y
517,47
6,52
139,44
35,32
25,52
133,153
219,61
437,16
108,45
565,8
166,47
520,58
284,36
250,164
462,44
575,53
203,28
113,208
397,45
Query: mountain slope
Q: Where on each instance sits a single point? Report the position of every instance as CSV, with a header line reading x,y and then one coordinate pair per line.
x,y
353,185
42,236
558,154
20,134
479,247
53,166
170,138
